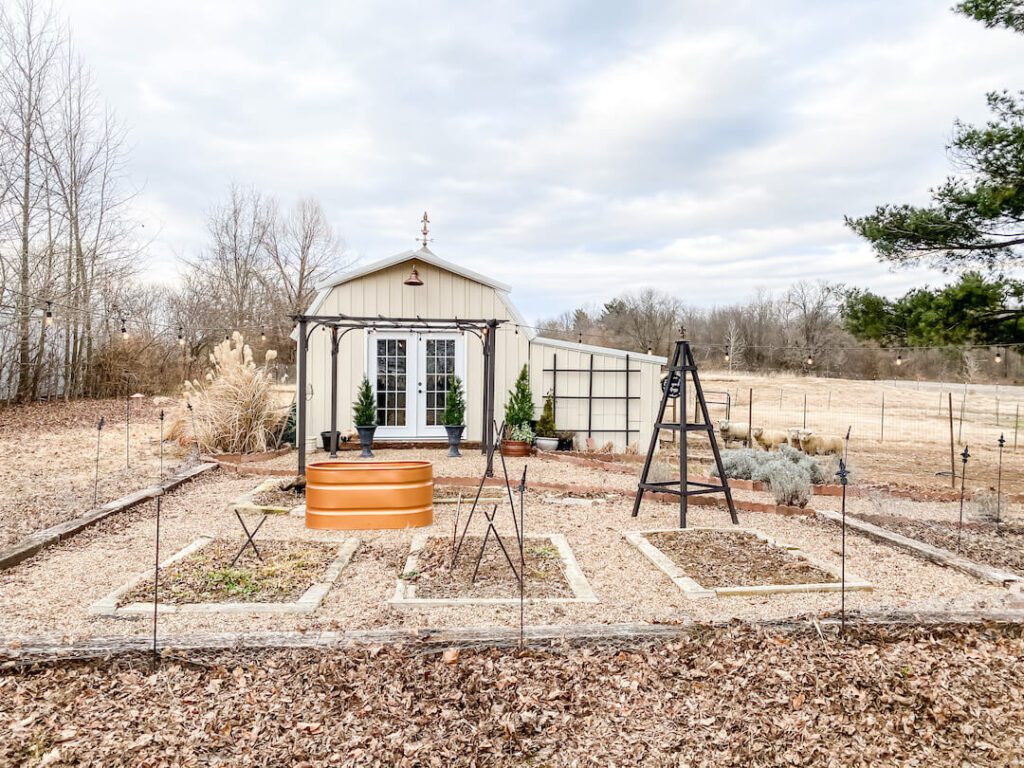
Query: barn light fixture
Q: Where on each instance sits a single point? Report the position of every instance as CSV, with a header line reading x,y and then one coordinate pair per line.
x,y
48,317
414,278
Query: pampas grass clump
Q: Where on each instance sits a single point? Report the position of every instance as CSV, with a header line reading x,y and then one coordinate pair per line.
x,y
234,405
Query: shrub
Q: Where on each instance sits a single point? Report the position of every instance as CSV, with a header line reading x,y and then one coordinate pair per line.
x,y
364,409
454,413
234,408
521,432
739,463
546,424
789,484
519,406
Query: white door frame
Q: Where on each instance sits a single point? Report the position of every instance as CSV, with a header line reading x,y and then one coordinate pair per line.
x,y
415,390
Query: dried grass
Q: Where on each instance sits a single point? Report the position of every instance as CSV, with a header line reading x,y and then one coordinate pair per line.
x,y
234,407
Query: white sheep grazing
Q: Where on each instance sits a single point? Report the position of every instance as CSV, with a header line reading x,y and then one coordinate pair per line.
x,y
733,430
769,439
819,445
793,433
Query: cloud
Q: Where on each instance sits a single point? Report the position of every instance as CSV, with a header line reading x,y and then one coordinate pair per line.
x,y
571,149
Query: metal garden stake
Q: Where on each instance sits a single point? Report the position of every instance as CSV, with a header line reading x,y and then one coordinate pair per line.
x,y
963,477
195,434
156,578
96,478
161,443
843,474
999,479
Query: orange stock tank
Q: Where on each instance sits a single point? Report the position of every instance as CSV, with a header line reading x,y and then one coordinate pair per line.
x,y
369,495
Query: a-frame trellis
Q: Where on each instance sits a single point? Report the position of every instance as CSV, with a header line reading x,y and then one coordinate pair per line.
x,y
682,363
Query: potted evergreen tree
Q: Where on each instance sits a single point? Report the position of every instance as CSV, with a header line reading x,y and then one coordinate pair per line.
x,y
453,417
518,414
547,436
364,414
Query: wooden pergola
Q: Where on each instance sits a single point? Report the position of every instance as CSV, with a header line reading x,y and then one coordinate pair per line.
x,y
340,325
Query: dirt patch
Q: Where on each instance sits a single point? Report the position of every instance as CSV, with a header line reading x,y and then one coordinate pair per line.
x,y
207,576
277,497
434,579
734,559
1002,547
468,494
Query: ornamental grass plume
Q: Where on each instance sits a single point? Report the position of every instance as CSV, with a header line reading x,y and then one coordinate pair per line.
x,y
234,406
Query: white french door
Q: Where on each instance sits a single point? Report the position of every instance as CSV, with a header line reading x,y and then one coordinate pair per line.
x,y
409,373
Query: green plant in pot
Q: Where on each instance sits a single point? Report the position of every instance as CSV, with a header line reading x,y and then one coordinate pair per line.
x,y
453,417
518,414
547,435
364,414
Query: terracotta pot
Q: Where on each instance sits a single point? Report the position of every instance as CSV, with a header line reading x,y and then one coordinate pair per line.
x,y
361,495
515,448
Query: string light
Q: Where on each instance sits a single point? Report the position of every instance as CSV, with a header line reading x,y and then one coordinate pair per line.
x,y
48,317
181,336
809,360
899,359
263,334
579,339
124,331
727,356
999,356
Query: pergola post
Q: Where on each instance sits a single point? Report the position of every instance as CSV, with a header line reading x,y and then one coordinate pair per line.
x,y
334,391
300,425
489,366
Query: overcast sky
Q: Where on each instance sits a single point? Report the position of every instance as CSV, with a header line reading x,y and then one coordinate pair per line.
x,y
571,149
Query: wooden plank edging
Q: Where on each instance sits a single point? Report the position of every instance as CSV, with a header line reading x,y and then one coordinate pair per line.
x,y
36,542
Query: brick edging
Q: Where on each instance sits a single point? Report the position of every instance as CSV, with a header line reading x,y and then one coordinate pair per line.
x,y
36,542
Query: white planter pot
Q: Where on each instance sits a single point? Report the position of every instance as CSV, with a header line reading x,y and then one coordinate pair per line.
x,y
546,443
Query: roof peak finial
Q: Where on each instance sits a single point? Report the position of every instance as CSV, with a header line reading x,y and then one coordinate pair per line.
x,y
425,230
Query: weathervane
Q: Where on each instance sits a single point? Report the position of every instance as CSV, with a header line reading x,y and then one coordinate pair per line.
x,y
425,230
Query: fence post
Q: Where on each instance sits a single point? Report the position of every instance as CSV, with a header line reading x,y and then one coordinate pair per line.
x,y
627,402
960,427
882,438
1016,426
750,417
554,384
805,410
952,451
590,399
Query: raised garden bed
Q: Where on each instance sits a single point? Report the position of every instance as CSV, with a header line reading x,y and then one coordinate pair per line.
x,y
1002,547
293,577
552,574
721,562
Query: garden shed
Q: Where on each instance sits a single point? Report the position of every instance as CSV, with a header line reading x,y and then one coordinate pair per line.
x,y
409,321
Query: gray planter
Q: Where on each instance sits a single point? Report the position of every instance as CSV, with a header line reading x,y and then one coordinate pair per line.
x,y
454,438
366,441
546,443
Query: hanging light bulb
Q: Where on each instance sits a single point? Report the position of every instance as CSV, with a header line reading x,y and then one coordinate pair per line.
x,y
999,356
181,336
809,360
579,338
263,334
48,317
727,356
650,350
124,331
517,330
899,359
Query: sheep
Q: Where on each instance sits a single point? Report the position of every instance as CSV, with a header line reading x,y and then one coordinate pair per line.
x,y
769,439
794,437
819,445
733,430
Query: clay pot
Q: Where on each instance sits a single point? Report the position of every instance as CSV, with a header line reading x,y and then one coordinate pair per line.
x,y
515,448
361,495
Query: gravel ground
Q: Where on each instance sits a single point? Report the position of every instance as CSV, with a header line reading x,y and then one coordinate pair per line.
x,y
48,459
50,594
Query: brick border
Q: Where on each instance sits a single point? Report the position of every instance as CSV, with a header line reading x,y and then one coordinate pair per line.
x,y
308,602
695,591
40,540
405,593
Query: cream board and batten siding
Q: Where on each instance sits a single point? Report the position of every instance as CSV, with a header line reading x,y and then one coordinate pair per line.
x,y
445,294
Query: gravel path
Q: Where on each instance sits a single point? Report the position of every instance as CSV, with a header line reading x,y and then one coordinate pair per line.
x,y
50,594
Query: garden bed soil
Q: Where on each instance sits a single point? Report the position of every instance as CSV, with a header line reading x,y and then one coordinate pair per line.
x,y
278,498
734,558
207,576
1001,547
434,579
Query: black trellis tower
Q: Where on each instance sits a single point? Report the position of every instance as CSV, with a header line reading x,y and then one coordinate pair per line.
x,y
681,367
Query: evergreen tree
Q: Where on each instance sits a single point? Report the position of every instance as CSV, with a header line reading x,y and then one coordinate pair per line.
x,y
519,406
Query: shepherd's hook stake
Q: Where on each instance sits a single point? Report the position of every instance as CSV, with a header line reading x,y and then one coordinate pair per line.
x,y
96,479
843,475
963,477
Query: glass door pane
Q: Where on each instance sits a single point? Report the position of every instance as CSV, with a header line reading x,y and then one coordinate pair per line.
x,y
392,382
440,366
